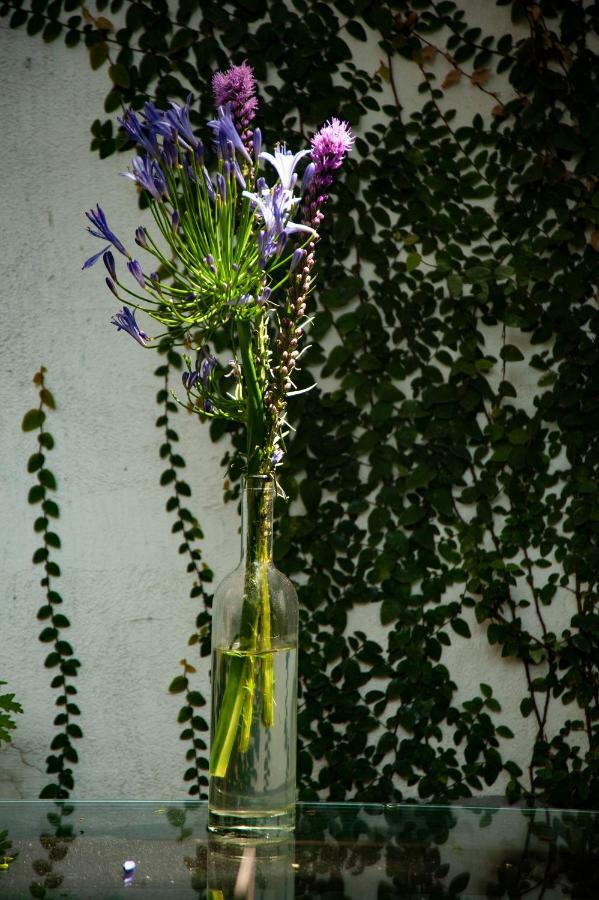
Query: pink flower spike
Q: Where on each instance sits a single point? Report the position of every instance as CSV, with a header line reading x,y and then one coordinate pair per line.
x,y
237,87
331,143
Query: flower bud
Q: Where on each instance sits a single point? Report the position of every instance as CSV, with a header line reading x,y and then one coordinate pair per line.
x,y
257,142
112,287
141,238
297,257
108,259
308,177
135,269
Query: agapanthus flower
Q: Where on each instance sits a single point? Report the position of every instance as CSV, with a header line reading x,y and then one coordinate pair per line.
x,y
108,260
296,259
285,163
223,129
273,207
174,124
147,174
135,269
276,457
141,237
125,321
141,134
205,363
236,88
102,231
329,147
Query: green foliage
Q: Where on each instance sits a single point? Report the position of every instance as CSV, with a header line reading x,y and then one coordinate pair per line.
x,y
61,656
55,841
456,483
185,525
8,708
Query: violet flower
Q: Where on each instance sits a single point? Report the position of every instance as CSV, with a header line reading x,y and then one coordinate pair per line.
x,y
224,130
108,260
174,124
135,269
139,133
285,163
329,147
236,89
102,231
273,207
125,321
205,363
146,173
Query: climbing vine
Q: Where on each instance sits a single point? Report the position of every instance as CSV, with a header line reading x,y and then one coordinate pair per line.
x,y
186,525
61,656
444,482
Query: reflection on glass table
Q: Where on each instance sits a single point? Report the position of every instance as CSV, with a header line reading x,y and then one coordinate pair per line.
x,y
339,852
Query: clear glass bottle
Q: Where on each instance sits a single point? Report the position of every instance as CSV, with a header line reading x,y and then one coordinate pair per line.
x,y
256,869
254,684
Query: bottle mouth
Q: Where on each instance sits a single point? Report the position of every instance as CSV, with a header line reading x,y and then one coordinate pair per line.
x,y
258,480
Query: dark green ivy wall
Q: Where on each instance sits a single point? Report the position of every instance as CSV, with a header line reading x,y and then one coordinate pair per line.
x,y
461,264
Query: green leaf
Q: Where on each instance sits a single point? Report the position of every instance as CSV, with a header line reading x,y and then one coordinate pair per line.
x,y
510,353
461,627
46,478
390,610
98,54
455,285
178,685
413,260
33,419
119,75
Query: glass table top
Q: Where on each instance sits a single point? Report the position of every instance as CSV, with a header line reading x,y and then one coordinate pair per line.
x,y
338,852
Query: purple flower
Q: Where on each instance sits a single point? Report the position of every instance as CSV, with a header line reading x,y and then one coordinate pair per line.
x,y
169,154
108,259
257,142
276,457
125,321
175,221
135,269
285,162
296,259
236,88
221,185
274,208
93,259
224,130
147,174
239,176
307,177
189,379
329,147
176,126
142,135
330,144
141,238
102,231
205,363
111,287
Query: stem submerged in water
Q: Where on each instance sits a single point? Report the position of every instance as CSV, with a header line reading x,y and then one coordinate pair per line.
x,y
237,708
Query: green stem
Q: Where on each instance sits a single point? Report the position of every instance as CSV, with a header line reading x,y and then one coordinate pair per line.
x,y
255,405
237,708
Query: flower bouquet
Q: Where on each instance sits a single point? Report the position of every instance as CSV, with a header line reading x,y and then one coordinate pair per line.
x,y
233,256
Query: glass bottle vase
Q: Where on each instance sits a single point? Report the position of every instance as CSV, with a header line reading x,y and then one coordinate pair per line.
x,y
254,684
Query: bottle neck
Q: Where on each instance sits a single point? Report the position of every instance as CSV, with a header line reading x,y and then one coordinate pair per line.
x,y
258,492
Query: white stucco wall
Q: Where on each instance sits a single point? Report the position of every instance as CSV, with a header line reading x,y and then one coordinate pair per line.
x,y
124,586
